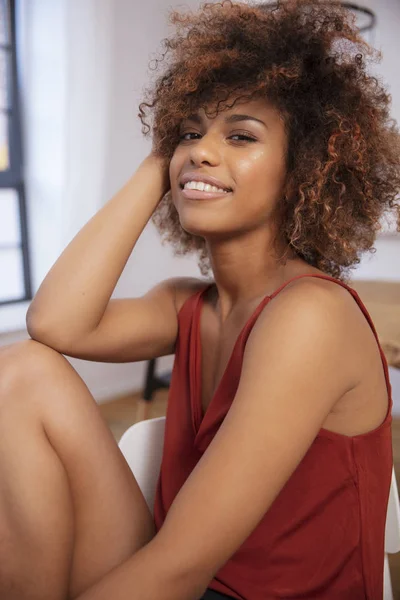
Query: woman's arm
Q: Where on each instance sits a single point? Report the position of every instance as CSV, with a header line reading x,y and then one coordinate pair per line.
x,y
74,295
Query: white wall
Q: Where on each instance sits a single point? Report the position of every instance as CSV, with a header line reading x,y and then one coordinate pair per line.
x,y
84,67
385,264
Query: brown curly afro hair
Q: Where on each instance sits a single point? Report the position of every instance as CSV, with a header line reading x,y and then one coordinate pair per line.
x,y
308,58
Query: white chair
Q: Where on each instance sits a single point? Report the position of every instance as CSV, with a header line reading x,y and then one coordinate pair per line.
x,y
142,445
392,534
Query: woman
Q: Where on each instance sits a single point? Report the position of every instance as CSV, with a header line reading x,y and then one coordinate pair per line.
x,y
277,457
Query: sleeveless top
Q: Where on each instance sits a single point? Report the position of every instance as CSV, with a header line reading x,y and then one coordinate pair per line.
x,y
323,536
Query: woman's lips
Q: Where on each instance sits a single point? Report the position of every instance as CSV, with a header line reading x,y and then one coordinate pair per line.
x,y
199,195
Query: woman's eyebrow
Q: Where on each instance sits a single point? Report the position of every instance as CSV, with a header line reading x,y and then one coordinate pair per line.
x,y
231,119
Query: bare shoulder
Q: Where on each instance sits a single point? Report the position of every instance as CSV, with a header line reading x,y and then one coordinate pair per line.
x,y
335,308
365,404
333,290
340,306
186,287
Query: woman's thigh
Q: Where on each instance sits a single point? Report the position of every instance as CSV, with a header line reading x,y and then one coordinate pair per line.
x,y
46,402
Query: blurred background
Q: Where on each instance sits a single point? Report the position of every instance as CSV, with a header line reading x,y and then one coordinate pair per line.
x,y
72,73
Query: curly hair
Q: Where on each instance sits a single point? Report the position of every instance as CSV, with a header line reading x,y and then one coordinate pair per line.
x,y
308,59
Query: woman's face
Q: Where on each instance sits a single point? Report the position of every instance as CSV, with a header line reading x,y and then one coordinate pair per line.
x,y
246,153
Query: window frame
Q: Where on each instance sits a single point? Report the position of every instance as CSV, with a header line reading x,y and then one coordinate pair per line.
x,y
13,177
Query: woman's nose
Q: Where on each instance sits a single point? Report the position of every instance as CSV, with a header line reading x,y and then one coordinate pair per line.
x,y
205,150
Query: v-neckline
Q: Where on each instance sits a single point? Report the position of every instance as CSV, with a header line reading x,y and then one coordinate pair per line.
x,y
199,415
196,392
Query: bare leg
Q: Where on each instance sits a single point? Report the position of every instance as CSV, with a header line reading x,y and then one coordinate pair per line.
x,y
70,508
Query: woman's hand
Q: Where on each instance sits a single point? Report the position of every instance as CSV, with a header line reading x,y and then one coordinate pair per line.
x,y
160,166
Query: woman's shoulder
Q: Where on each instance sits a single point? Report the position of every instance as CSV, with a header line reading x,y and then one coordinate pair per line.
x,y
186,287
311,277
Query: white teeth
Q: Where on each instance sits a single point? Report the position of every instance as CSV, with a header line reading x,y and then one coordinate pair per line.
x,y
203,187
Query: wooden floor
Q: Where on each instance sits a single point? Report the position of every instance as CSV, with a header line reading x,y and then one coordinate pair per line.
x,y
123,412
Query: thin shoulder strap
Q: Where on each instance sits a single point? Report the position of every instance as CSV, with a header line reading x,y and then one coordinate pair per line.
x,y
347,287
320,275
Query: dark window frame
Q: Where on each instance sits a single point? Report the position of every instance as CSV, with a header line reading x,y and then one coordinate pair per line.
x,y
13,177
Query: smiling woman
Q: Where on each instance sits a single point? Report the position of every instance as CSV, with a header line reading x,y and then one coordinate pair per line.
x,y
241,160
277,456
273,429
341,151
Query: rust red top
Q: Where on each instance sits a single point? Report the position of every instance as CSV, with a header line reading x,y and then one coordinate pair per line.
x,y
323,536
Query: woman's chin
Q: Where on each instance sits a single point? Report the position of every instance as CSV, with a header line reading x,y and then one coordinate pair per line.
x,y
196,229
204,230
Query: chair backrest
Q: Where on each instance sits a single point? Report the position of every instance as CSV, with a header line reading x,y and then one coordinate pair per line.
x,y
142,446
392,531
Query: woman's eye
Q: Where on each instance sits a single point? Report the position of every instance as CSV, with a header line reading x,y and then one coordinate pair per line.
x,y
246,137
182,136
237,135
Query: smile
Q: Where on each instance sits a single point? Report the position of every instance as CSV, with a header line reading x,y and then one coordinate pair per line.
x,y
200,195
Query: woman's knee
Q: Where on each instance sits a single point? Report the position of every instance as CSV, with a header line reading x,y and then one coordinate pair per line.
x,y
107,500
35,373
22,361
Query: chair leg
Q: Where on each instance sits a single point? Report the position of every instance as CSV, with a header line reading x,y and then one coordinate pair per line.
x,y
143,404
